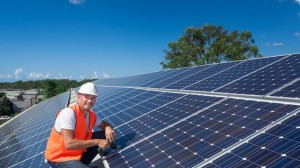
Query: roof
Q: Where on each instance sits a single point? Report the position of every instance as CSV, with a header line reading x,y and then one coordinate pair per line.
x,y
221,115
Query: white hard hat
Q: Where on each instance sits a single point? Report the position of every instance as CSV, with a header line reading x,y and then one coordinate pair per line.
x,y
88,88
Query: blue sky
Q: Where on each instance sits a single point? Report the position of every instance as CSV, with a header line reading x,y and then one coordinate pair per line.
x,y
77,39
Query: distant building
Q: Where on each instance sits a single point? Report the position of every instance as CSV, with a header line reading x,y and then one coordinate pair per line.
x,y
13,94
22,99
20,106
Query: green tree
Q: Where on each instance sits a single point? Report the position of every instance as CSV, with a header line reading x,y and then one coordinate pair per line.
x,y
209,44
50,87
6,106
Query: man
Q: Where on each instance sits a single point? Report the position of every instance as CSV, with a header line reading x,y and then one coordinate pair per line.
x,y
72,132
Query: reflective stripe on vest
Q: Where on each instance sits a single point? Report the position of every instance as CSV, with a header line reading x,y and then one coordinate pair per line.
x,y
56,150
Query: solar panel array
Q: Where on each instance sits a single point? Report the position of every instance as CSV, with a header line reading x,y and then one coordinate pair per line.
x,y
24,145
236,114
15,124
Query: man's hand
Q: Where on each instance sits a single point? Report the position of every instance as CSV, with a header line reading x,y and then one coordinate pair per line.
x,y
110,134
102,143
109,131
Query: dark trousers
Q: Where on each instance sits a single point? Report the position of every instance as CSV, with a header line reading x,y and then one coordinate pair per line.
x,y
86,159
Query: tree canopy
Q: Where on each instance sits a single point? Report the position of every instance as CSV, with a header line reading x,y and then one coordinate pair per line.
x,y
209,44
6,106
49,87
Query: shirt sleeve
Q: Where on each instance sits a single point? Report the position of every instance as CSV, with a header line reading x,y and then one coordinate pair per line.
x,y
65,120
98,121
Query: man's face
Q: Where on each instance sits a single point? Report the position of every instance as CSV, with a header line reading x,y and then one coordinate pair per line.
x,y
86,101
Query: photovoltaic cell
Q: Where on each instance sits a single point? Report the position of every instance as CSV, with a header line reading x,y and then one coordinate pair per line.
x,y
19,120
143,108
181,74
200,75
166,75
141,103
108,104
277,147
227,76
268,79
158,119
207,132
28,143
292,90
152,78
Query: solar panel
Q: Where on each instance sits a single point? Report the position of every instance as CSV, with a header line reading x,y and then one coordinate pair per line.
x,y
194,137
232,74
204,73
25,146
13,125
142,103
174,76
236,114
291,90
267,79
277,147
153,122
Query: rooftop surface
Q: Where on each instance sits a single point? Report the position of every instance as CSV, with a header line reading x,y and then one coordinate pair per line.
x,y
236,114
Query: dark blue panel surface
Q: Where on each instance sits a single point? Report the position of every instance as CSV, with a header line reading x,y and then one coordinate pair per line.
x,y
203,134
202,73
108,105
181,74
169,75
147,127
268,79
227,76
29,142
154,78
292,90
19,120
277,147
148,102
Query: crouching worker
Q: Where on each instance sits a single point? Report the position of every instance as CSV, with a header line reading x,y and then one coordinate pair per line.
x,y
72,142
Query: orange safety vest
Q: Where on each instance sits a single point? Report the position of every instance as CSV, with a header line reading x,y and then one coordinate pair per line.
x,y
56,150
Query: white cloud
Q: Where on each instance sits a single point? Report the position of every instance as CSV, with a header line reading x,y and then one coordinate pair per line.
x,y
76,2
274,44
105,75
61,76
277,44
95,76
18,71
298,1
36,75
297,34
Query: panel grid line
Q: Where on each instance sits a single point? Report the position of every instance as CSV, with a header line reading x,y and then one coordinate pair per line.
x,y
284,57
252,136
